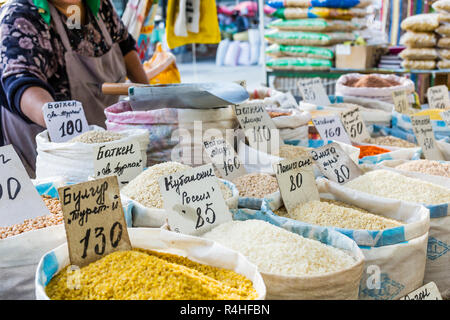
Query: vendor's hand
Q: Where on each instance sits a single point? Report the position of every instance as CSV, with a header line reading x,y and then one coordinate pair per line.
x,y
31,103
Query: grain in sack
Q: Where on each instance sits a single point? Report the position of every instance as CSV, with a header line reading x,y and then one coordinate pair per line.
x,y
418,39
421,22
419,54
419,64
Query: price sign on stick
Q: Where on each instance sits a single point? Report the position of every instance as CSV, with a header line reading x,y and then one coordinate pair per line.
x,y
224,158
19,199
259,128
296,181
123,159
335,164
313,92
331,128
438,97
401,103
425,137
193,200
94,220
64,120
445,115
427,292
354,124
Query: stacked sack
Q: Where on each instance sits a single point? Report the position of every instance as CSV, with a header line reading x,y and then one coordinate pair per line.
x,y
443,44
306,31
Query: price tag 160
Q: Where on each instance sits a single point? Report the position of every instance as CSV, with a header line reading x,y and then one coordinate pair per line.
x,y
193,200
354,124
94,220
424,133
438,97
331,128
313,92
64,120
19,199
296,181
335,164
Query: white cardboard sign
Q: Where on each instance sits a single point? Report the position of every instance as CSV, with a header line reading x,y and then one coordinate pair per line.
x,y
313,92
424,133
19,199
64,120
427,292
193,200
331,128
354,125
123,159
438,97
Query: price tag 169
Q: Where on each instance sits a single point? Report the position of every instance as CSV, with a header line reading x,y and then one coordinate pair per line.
x,y
354,124
224,158
313,92
193,200
331,128
94,220
424,133
335,164
438,97
296,181
64,120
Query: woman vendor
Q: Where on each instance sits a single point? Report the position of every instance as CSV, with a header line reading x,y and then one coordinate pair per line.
x,y
55,50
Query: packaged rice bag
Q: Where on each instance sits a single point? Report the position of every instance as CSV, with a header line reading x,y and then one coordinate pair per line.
x,y
308,38
442,5
343,4
314,25
299,64
279,50
421,22
315,12
419,54
443,64
444,43
418,39
444,53
443,29
419,64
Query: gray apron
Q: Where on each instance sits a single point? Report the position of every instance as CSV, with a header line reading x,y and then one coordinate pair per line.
x,y
85,74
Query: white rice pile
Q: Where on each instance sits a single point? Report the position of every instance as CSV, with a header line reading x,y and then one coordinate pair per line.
x,y
93,136
278,251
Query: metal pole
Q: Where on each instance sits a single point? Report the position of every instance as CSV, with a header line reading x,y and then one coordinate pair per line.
x,y
262,52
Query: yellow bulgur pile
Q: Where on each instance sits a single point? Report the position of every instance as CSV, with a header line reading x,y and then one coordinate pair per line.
x,y
149,275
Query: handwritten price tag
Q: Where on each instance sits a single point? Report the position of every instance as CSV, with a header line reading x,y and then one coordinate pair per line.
x,y
260,130
438,97
354,124
94,220
427,292
123,159
194,200
224,158
19,199
445,115
335,164
423,131
331,128
296,181
64,120
313,92
401,103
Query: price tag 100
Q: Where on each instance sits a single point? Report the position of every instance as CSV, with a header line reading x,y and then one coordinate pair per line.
x,y
224,158
335,164
123,159
424,133
64,120
19,199
354,125
94,220
438,97
331,128
296,181
313,92
193,200
401,103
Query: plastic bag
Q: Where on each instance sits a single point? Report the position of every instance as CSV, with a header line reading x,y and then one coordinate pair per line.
x,y
444,17
197,249
444,54
299,64
277,50
222,51
244,54
443,29
421,22
316,12
442,5
161,68
419,54
418,39
319,3
444,43
419,64
443,64
232,55
308,38
321,25
444,146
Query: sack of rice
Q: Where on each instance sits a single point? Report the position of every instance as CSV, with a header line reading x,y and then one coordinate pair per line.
x,y
443,64
419,64
441,5
73,159
316,12
403,122
444,54
279,50
418,39
419,54
444,17
444,43
300,38
421,22
318,25
176,267
299,64
443,29
404,190
319,3
253,188
304,264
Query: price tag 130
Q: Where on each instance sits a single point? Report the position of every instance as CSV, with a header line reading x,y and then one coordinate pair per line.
x,y
438,97
123,159
224,158
313,92
335,164
64,120
401,103
94,220
259,128
19,199
424,133
331,128
354,125
296,181
445,115
193,200
427,292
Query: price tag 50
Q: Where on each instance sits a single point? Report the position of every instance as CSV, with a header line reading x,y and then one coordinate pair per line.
x,y
355,126
424,133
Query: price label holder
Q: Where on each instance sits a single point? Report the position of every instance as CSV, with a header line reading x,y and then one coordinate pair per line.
x,y
260,130
64,120
427,292
224,158
94,220
354,125
445,115
296,181
438,97
331,128
313,92
401,103
193,200
19,199
423,131
335,164
123,159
